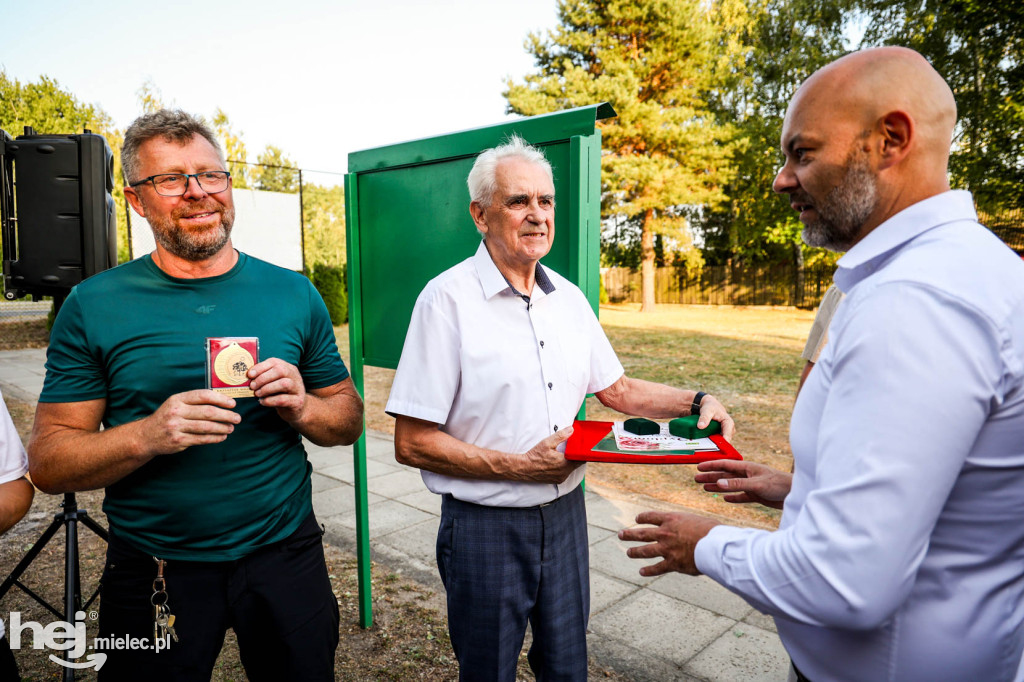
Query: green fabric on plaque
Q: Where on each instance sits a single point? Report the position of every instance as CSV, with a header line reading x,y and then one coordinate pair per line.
x,y
686,427
642,427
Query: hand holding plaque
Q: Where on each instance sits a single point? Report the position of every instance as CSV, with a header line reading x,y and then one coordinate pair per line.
x,y
228,359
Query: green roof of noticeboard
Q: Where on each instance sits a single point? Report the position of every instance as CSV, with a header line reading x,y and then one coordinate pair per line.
x,y
537,130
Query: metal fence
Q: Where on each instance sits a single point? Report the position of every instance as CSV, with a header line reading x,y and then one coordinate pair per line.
x,y
781,284
20,312
778,284
1008,226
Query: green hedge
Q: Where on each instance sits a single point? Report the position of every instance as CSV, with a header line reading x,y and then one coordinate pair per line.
x,y
331,282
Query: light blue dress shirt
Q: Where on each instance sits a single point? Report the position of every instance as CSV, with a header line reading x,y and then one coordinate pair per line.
x,y
900,555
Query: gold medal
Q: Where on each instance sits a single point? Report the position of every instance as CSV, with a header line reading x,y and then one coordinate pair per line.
x,y
231,365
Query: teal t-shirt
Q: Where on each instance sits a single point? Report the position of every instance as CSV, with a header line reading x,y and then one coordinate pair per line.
x,y
135,336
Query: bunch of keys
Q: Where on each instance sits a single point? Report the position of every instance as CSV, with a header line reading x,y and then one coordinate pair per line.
x,y
163,619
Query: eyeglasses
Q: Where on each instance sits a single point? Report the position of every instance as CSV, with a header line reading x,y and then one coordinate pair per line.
x,y
176,184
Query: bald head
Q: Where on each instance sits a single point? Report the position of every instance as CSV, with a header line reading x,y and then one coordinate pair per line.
x,y
864,138
864,86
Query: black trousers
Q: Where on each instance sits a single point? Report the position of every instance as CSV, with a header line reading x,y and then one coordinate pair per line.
x,y
278,600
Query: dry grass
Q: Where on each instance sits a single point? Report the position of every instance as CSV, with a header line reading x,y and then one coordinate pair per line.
x,y
30,334
748,357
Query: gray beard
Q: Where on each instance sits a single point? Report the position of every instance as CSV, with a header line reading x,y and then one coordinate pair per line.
x,y
844,210
186,245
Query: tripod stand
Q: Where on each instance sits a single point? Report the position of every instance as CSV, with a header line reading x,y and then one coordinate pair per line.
x,y
68,518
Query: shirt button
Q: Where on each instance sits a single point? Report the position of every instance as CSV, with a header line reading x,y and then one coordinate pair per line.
x,y
541,344
550,385
556,427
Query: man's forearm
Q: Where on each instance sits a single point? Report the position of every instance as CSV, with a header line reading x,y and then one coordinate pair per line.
x,y
334,419
15,499
433,450
423,445
647,399
66,459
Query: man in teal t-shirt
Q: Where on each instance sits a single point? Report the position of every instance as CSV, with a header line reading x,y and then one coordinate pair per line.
x,y
213,491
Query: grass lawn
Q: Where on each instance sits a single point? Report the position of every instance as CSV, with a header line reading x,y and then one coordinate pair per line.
x,y
748,357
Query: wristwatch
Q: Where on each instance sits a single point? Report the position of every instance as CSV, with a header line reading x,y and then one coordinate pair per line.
x,y
695,407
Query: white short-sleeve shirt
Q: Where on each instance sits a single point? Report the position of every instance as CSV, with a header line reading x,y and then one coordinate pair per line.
x,y
499,372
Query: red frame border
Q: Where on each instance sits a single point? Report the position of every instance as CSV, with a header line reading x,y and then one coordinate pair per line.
x,y
587,434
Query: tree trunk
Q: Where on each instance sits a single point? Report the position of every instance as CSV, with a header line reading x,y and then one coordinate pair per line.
x,y
647,264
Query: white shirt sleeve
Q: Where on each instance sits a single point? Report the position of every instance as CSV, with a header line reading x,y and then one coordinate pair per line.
x,y
13,460
428,373
605,367
912,378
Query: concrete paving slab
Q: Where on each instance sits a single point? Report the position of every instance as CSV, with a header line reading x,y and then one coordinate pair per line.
x,y
596,534
380,446
401,482
423,500
323,458
340,499
605,591
743,653
636,664
418,541
321,482
609,557
346,471
653,622
613,514
758,619
30,385
16,374
387,516
703,592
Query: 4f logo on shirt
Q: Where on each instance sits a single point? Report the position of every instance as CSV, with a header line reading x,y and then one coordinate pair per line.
x,y
205,309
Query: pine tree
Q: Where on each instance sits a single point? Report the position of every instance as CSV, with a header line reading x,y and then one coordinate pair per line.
x,y
655,62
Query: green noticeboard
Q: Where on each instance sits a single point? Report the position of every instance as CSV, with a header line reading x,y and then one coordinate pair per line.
x,y
407,220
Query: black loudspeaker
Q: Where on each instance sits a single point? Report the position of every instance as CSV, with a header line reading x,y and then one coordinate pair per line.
x,y
59,224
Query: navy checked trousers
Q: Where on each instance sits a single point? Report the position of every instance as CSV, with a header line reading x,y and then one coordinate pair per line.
x,y
505,566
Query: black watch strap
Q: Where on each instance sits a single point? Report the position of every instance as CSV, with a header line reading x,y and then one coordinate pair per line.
x,y
695,407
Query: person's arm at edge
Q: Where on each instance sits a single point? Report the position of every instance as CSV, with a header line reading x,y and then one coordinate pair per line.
x,y
658,401
15,499
423,445
68,452
332,415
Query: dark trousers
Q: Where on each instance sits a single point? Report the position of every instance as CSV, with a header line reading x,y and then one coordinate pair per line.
x,y
503,567
278,600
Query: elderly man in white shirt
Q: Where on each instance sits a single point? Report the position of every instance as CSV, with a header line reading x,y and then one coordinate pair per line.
x,y
499,356
900,554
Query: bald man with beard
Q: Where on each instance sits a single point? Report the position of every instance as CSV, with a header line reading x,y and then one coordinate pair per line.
x,y
900,551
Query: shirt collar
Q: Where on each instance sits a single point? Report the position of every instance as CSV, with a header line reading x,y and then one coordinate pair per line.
x,y
857,263
493,282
